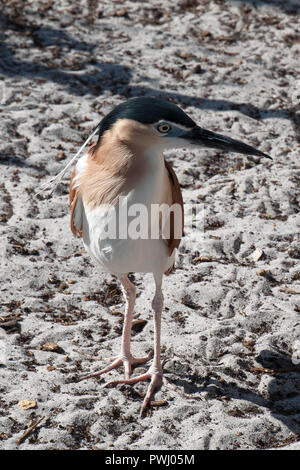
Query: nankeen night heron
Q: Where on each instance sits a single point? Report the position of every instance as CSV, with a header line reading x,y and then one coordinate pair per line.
x,y
122,174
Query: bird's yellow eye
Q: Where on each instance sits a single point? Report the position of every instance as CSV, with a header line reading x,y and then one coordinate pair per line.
x,y
163,127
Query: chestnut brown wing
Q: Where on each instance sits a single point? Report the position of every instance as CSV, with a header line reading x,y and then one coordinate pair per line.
x,y
75,207
176,199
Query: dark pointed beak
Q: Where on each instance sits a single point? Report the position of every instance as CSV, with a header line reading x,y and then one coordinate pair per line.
x,y
204,138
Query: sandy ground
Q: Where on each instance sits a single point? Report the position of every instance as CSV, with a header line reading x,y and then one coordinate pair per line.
x,y
231,317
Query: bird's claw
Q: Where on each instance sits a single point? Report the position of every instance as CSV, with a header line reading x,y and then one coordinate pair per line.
x,y
156,381
117,361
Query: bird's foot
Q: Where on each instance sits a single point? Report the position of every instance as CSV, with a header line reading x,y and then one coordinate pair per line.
x,y
127,361
156,381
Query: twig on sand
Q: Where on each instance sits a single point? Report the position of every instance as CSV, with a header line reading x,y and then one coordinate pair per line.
x,y
30,429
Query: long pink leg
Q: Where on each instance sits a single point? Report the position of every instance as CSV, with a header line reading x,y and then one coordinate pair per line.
x,y
125,356
155,373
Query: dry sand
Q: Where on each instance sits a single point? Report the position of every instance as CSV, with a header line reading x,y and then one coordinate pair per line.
x,y
231,318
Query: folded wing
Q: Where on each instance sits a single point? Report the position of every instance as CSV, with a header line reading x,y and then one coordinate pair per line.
x,y
174,241
76,207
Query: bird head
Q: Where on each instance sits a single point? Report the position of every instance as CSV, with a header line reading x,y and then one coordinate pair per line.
x,y
146,123
152,122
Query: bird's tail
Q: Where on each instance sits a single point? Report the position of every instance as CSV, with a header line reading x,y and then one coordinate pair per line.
x,y
53,182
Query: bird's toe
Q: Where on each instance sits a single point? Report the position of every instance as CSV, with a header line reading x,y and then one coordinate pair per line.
x,y
155,384
115,362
